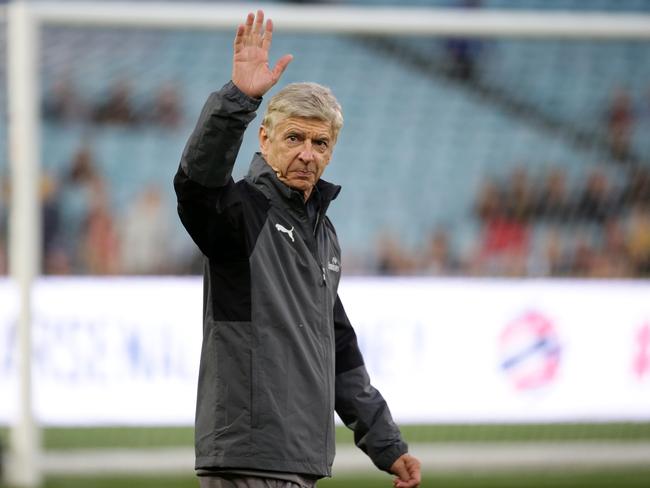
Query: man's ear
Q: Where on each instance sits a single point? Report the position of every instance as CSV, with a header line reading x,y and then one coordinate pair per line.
x,y
263,136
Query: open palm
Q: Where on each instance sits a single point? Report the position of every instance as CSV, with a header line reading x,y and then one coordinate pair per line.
x,y
250,70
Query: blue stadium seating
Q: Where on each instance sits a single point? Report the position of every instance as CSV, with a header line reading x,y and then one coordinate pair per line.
x,y
414,149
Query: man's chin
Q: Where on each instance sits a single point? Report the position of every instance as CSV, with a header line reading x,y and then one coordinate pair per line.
x,y
300,185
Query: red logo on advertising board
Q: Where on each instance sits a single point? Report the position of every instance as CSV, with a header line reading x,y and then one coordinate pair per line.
x,y
642,355
530,351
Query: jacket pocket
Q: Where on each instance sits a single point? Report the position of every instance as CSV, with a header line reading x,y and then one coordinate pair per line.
x,y
224,400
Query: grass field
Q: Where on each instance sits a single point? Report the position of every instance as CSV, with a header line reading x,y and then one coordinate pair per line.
x,y
117,437
145,437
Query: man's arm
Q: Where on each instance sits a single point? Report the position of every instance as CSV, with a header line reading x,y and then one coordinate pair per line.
x,y
207,202
363,409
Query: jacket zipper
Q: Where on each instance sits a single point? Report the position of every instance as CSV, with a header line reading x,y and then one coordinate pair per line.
x,y
324,286
323,283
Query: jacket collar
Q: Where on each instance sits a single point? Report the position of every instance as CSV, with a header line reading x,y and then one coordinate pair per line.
x,y
263,177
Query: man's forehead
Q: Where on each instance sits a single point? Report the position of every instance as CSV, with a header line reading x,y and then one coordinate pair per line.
x,y
306,124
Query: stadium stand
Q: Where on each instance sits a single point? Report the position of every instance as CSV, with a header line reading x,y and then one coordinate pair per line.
x,y
428,122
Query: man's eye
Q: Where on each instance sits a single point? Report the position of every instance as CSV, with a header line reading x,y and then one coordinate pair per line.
x,y
292,138
321,144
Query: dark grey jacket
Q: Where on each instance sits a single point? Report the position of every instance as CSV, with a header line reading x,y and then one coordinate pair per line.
x,y
279,354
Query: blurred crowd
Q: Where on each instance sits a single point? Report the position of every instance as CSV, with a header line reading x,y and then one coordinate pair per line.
x,y
528,223
545,225
118,107
82,233
82,230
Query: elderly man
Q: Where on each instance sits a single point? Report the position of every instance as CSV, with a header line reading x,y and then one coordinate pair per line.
x,y
279,355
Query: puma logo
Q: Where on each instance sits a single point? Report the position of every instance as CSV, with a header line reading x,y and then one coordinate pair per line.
x,y
282,228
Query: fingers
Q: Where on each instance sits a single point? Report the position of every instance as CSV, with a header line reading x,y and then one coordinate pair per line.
x,y
406,483
398,483
248,28
239,37
407,469
268,35
243,32
259,22
252,33
281,65
399,468
248,33
249,25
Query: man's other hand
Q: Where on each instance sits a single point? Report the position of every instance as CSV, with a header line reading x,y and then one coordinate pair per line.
x,y
250,68
407,469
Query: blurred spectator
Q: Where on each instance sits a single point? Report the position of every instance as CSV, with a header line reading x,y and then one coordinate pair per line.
x,y
462,53
78,186
99,239
638,240
637,191
63,103
166,108
518,198
438,258
504,247
596,202
55,259
82,169
620,121
612,260
489,200
4,224
391,258
117,109
505,233
552,203
4,267
145,235
584,258
556,261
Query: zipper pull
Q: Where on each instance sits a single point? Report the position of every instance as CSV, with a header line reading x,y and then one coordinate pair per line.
x,y
322,270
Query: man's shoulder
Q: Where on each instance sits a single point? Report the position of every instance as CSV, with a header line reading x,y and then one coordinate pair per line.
x,y
252,196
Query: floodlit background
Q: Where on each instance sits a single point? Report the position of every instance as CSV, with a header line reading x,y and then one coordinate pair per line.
x,y
494,221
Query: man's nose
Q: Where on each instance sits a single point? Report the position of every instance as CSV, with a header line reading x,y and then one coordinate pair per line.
x,y
307,152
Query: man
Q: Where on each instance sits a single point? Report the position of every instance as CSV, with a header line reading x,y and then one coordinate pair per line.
x,y
279,354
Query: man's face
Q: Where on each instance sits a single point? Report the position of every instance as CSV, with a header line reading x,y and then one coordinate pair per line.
x,y
298,151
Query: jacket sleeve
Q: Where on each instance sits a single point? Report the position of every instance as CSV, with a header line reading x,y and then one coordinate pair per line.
x,y
208,203
358,403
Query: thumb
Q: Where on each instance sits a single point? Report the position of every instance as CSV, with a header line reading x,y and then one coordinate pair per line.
x,y
281,65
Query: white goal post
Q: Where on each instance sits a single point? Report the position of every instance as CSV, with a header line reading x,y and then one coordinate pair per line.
x,y
24,19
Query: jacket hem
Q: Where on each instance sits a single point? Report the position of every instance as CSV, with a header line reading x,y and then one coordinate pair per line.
x,y
264,464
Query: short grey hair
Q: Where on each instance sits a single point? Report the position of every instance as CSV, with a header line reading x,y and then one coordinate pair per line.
x,y
308,100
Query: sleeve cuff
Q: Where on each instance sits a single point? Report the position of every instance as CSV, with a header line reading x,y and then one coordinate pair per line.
x,y
232,92
390,455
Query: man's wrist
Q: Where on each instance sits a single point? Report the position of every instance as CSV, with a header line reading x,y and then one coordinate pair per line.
x,y
233,92
391,454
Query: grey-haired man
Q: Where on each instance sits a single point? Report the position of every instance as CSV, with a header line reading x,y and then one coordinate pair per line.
x,y
279,355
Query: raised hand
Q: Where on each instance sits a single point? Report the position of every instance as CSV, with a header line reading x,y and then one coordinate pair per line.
x,y
250,68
